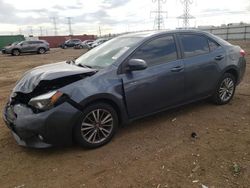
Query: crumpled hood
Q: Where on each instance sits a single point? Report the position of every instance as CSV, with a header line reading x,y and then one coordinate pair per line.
x,y
32,78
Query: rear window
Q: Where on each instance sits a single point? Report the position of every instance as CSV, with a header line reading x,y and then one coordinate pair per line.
x,y
194,45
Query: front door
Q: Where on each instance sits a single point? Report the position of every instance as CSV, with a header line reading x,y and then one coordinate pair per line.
x,y
159,86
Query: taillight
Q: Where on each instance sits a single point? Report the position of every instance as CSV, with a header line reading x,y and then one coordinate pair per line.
x,y
242,53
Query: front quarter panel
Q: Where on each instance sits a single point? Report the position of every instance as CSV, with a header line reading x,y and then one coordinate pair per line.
x,y
104,85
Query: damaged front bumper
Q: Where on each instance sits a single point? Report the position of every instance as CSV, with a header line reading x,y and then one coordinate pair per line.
x,y
41,130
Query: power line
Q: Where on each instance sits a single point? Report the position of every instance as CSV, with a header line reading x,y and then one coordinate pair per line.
x,y
41,31
186,16
55,24
69,23
20,31
100,31
31,30
159,18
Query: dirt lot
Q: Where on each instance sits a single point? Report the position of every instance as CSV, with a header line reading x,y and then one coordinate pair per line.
x,y
154,152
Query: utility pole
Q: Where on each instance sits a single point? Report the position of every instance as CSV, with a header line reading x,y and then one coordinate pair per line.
x,y
159,18
100,31
54,23
31,31
41,31
186,16
20,31
69,23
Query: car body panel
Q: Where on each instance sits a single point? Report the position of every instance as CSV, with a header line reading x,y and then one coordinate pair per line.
x,y
153,88
27,125
32,78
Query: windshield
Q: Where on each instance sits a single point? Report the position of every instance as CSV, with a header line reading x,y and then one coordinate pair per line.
x,y
107,53
14,43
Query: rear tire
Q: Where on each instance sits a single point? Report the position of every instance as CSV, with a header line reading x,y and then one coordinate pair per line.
x,y
41,51
225,90
96,126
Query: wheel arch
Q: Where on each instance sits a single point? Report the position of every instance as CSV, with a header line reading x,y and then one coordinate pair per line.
x,y
41,47
15,49
117,104
234,71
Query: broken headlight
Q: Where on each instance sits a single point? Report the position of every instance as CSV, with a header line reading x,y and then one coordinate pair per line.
x,y
45,101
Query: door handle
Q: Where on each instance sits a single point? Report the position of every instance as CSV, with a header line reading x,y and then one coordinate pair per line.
x,y
219,57
177,69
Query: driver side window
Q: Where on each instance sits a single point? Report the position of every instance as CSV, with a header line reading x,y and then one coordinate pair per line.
x,y
24,43
157,51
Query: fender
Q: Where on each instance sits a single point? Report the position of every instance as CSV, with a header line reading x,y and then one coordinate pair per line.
x,y
235,70
116,101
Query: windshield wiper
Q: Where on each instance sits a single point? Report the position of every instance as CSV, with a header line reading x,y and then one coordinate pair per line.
x,y
85,66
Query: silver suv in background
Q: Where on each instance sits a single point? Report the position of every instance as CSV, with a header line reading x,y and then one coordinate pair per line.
x,y
33,46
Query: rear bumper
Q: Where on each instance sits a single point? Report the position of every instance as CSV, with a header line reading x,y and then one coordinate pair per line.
x,y
41,130
242,68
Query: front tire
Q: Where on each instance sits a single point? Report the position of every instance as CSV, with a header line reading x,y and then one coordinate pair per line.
x,y
15,52
225,90
97,126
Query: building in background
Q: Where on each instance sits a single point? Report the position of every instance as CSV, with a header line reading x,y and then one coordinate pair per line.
x,y
232,31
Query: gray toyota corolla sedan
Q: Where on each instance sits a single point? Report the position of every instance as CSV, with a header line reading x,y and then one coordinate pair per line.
x,y
124,79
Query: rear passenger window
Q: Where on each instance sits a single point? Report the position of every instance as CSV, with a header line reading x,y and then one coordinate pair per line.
x,y
194,45
30,42
213,45
157,51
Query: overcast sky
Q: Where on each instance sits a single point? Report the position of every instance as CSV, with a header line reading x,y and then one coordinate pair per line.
x,y
113,16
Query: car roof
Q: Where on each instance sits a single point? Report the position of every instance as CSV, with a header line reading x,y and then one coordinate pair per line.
x,y
148,34
33,41
145,34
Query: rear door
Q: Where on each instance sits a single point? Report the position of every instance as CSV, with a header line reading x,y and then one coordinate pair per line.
x,y
161,84
201,56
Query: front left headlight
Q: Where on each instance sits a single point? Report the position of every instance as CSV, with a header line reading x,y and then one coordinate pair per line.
x,y
45,101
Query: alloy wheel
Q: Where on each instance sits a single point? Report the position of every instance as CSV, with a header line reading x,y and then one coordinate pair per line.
x,y
97,126
41,51
16,52
226,89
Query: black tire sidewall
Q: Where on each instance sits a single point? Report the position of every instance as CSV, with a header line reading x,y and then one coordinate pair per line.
x,y
216,97
77,129
39,50
13,52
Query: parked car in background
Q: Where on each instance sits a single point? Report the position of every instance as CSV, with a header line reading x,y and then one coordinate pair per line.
x,y
126,78
98,42
70,43
85,44
32,46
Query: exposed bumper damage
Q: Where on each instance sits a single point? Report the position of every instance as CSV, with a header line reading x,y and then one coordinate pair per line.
x,y
41,129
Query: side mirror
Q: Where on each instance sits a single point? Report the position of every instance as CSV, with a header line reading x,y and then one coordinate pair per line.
x,y
136,64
